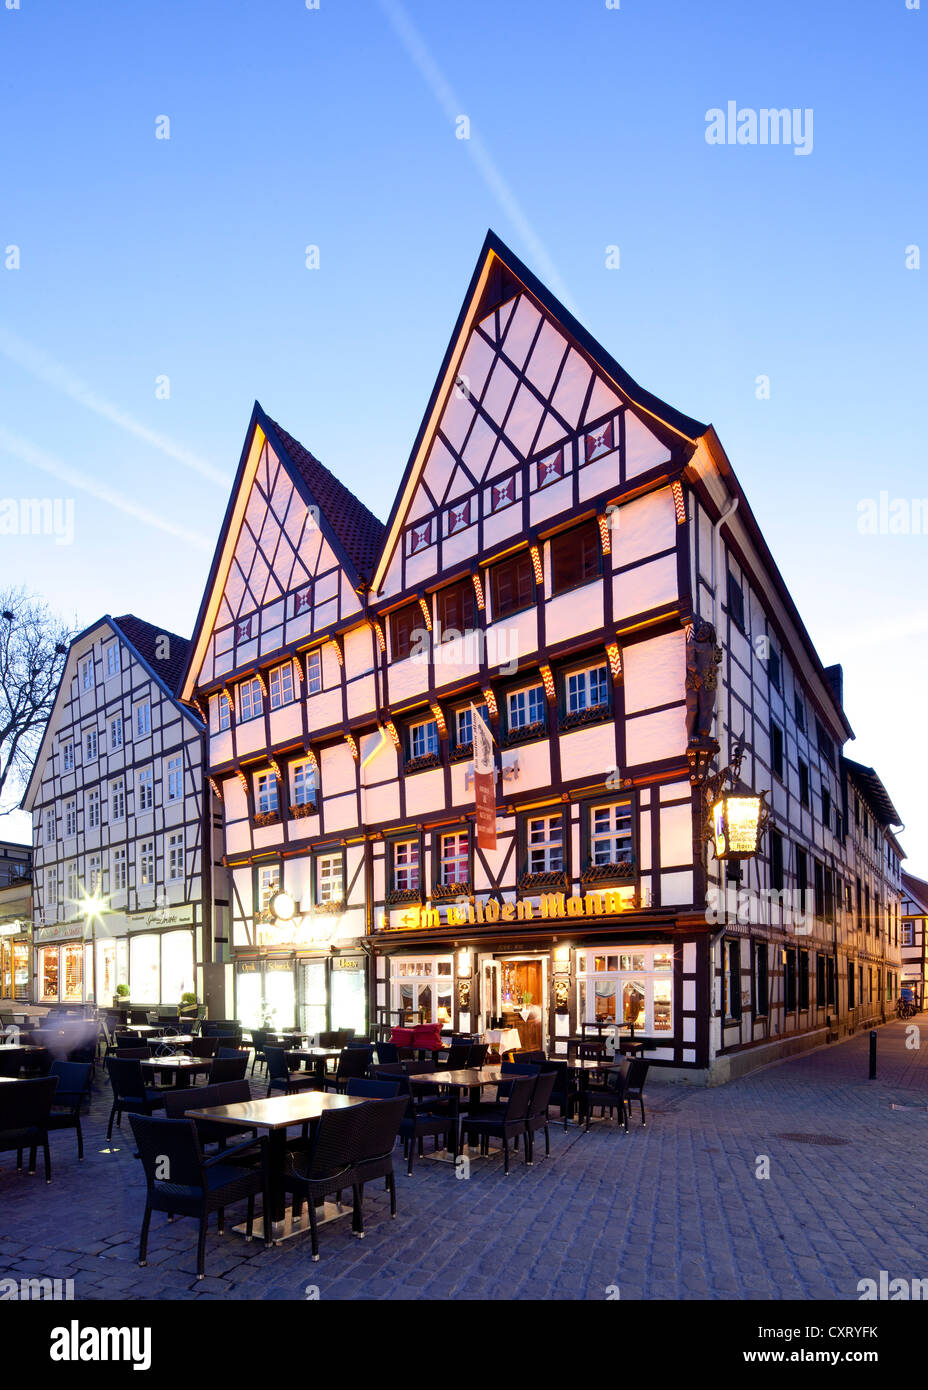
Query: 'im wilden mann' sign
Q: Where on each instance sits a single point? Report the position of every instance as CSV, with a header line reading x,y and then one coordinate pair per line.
x,y
557,906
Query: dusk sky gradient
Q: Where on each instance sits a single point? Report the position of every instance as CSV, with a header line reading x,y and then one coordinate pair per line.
x,y
335,127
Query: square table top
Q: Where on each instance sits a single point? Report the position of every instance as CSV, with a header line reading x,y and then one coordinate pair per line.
x,y
313,1051
173,1039
25,1047
278,1112
178,1063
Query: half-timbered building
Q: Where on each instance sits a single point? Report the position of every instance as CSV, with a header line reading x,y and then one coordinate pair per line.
x,y
574,561
123,833
914,936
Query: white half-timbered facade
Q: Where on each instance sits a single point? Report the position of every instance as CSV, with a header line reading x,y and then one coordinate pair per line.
x,y
122,887
560,544
914,936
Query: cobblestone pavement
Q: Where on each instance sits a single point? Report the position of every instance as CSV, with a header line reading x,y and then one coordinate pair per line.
x,y
674,1210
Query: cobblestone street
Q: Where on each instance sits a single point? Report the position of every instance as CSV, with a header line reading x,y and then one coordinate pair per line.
x,y
667,1212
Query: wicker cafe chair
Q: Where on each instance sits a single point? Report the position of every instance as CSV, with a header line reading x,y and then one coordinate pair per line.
x,y
197,1186
566,1093
178,1102
537,1117
354,1061
377,1127
279,1076
506,1120
130,1094
228,1068
477,1055
421,1120
73,1079
634,1085
204,1047
455,1057
608,1094
320,1165
24,1112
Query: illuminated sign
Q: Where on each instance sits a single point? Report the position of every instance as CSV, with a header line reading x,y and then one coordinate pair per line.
x,y
604,902
735,826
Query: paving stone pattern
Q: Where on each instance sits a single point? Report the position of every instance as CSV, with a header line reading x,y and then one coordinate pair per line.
x,y
671,1211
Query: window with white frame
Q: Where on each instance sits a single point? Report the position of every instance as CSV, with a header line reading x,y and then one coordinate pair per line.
x,y
422,988
250,700
146,863
303,781
143,719
87,673
464,723
525,707
454,857
544,844
119,871
314,672
586,689
330,878
144,790
632,988
67,757
90,745
50,827
423,738
112,659
175,771
176,856
118,799
405,865
222,712
281,685
93,809
51,888
908,933
611,833
116,732
71,884
70,817
94,874
268,883
266,792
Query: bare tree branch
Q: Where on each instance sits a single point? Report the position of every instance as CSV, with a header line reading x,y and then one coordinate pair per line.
x,y
33,647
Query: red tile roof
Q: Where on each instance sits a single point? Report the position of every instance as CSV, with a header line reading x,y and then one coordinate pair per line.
x,y
148,641
357,529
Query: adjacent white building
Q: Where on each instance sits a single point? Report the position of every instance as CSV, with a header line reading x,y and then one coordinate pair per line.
x,y
123,888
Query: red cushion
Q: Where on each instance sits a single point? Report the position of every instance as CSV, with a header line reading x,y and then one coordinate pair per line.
x,y
402,1036
427,1035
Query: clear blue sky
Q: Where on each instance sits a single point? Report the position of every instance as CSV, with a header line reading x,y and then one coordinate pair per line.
x,y
335,127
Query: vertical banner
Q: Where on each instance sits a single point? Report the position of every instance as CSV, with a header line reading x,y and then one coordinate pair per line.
x,y
484,782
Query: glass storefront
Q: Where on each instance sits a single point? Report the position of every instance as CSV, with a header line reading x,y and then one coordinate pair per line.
x,y
311,992
161,967
144,969
422,989
348,994
632,988
14,969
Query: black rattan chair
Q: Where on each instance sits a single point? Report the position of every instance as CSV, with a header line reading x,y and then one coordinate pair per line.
x,y
279,1076
204,1047
506,1120
454,1057
378,1089
73,1080
634,1085
130,1094
375,1135
537,1117
608,1094
179,1101
24,1110
198,1186
565,1094
354,1061
228,1068
477,1054
321,1165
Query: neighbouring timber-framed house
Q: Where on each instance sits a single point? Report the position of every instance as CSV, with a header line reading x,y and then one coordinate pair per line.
x,y
565,553
122,889
914,936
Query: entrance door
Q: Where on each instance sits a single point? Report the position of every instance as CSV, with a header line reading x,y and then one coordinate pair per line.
x,y
523,1002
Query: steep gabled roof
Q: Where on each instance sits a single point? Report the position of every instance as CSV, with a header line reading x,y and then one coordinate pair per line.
x,y
147,641
917,890
498,275
876,794
358,530
142,640
352,531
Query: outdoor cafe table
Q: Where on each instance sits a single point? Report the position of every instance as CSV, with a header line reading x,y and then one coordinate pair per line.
x,y
468,1079
172,1040
314,1058
276,1115
182,1068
